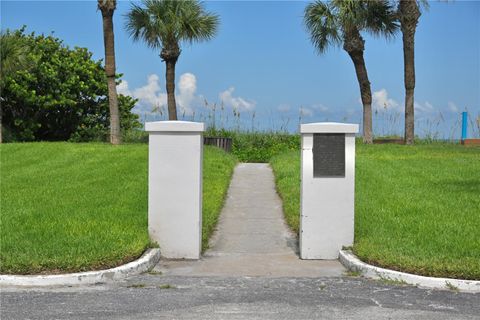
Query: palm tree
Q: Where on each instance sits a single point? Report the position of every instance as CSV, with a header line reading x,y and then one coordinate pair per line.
x,y
107,7
13,57
164,25
408,15
341,22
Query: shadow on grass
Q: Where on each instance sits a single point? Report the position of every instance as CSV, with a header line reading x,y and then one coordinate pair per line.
x,y
460,186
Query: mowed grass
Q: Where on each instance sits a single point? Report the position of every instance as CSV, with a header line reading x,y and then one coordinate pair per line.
x,y
417,208
217,172
74,207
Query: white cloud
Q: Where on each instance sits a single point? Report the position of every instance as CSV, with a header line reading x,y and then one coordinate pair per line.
x,y
305,112
151,96
187,87
283,108
320,107
235,102
426,107
122,88
452,107
381,101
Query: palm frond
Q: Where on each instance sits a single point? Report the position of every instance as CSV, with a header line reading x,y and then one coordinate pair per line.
x,y
380,18
165,23
323,25
141,27
13,53
197,24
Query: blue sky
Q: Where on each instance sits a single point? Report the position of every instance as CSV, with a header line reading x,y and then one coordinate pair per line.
x,y
262,61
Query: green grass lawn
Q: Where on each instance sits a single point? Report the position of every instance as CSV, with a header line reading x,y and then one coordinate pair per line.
x,y
72,207
417,208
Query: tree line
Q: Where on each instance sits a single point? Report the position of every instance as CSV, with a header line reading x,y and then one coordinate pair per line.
x,y
165,25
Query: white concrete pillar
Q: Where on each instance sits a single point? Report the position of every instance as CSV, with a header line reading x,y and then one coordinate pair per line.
x,y
175,155
327,189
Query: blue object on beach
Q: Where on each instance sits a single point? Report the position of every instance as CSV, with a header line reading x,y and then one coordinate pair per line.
x,y
464,125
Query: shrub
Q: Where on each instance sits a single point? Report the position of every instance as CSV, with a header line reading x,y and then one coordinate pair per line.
x,y
60,95
257,146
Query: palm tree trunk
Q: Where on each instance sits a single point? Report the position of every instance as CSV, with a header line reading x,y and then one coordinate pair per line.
x,y
409,79
170,77
108,39
409,14
354,45
366,94
115,133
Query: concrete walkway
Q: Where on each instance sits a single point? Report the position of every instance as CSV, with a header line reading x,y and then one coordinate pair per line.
x,y
252,238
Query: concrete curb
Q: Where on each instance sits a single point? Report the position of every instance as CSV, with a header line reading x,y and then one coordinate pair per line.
x,y
142,264
351,262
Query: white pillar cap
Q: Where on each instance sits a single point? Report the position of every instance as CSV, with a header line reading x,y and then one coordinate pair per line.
x,y
329,127
174,126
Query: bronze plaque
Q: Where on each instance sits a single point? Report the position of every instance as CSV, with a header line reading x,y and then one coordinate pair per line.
x,y
328,155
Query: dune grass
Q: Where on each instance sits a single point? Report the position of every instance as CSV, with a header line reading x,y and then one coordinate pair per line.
x,y
417,208
73,207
